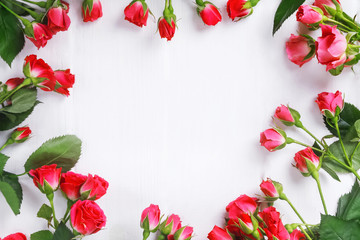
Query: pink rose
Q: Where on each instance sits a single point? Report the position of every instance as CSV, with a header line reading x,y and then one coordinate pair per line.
x,y
87,217
15,236
307,15
65,79
40,72
331,47
46,178
150,218
21,134
303,155
40,34
70,184
275,227
13,83
273,139
297,235
320,4
94,187
270,188
242,205
92,10
58,20
237,10
209,13
298,49
137,13
218,233
183,233
330,104
283,114
171,225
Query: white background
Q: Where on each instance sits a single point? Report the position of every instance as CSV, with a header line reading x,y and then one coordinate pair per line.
x,y
177,123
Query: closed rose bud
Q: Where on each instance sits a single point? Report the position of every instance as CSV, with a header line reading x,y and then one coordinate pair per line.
x,y
242,205
65,81
330,104
40,72
87,217
331,47
271,189
71,183
273,139
21,134
208,12
15,236
46,178
184,233
170,225
284,115
297,235
300,49
305,157
238,9
58,20
150,218
13,83
94,187
91,10
137,12
38,33
166,29
308,15
329,3
218,233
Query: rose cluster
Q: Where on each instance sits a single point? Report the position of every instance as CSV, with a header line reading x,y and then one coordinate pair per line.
x,y
137,12
169,229
337,46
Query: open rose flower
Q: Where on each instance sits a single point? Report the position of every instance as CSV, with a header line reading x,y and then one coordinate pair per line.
x,y
308,15
300,49
209,13
58,20
65,79
329,3
275,227
273,139
71,183
87,217
331,47
184,233
238,9
150,218
137,12
242,205
39,34
218,233
46,178
330,104
166,30
171,225
15,236
94,187
91,10
41,73
303,155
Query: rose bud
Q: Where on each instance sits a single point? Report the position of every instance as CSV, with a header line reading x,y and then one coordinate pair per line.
x,y
94,187
306,161
275,227
308,15
137,12
87,217
15,236
218,233
297,235
58,20
40,73
208,12
166,29
20,134
331,47
288,116
183,233
91,10
272,189
150,219
328,3
242,205
38,33
239,9
65,79
46,178
300,49
71,183
170,225
330,104
13,83
273,139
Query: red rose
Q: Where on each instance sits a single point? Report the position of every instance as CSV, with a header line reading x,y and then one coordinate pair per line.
x,y
166,29
171,225
242,205
299,48
275,227
237,9
15,236
137,12
87,217
330,104
297,235
219,234
92,10
46,178
58,20
273,139
65,79
308,15
271,188
183,233
303,155
40,34
40,72
21,134
209,13
13,83
70,184
94,187
150,218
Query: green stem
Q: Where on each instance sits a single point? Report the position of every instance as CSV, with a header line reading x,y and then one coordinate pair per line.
x,y
36,16
40,4
66,215
3,146
346,28
306,234
341,142
312,135
25,21
51,200
26,82
345,166
22,174
305,145
166,4
315,175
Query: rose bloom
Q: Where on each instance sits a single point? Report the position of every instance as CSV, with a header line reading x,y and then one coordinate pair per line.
x,y
209,14
297,48
307,15
308,154
320,4
297,235
94,187
13,83
71,183
328,103
137,13
165,29
65,79
218,233
15,236
152,215
283,113
37,68
41,33
87,217
235,9
91,10
269,189
272,139
58,20
274,224
242,205
46,175
331,47
184,233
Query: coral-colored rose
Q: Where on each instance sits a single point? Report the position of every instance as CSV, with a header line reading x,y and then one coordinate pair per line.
x,y
65,79
184,233
15,236
330,104
137,12
58,20
331,47
320,4
150,218
236,9
242,205
209,14
170,226
275,227
21,134
87,217
307,15
273,139
297,235
165,29
94,187
218,233
298,48
91,10
269,189
300,161
41,73
71,183
12,83
46,178
283,114
41,34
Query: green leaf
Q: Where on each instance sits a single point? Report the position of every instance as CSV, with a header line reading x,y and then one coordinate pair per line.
x,y
337,151
3,160
348,116
337,71
23,100
11,36
45,212
42,235
64,151
331,172
353,134
349,204
63,233
11,120
285,10
333,228
12,191
18,10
